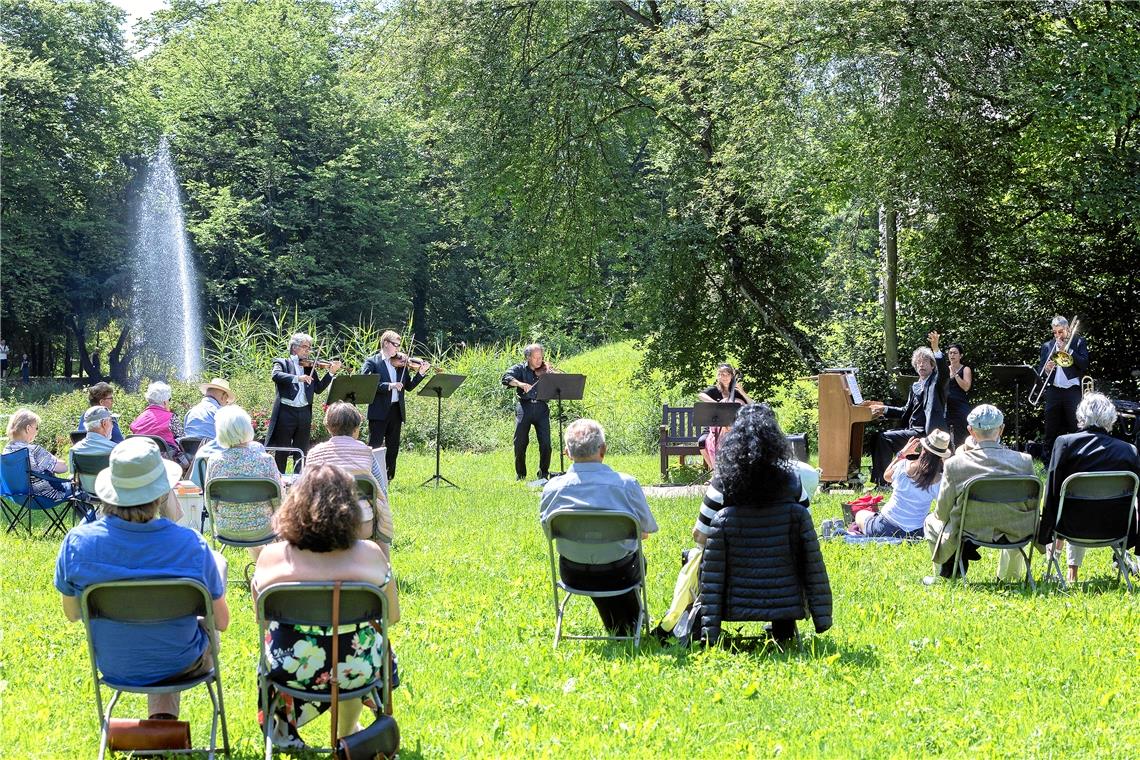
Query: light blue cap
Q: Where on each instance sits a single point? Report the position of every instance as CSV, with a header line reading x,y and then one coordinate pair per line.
x,y
985,417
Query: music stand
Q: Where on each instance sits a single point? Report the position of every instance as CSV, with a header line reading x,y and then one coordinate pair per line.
x,y
355,389
560,386
1015,375
441,386
714,414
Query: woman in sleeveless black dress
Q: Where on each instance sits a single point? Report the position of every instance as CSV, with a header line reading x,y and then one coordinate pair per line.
x,y
958,386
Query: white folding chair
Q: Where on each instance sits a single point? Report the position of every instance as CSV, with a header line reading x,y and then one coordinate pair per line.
x,y
152,601
594,537
1113,492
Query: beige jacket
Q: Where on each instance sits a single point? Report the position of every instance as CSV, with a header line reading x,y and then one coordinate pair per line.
x,y
988,521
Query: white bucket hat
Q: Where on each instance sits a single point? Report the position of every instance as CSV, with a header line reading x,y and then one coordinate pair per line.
x,y
219,384
138,474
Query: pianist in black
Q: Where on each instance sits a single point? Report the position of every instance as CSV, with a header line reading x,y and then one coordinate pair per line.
x,y
924,412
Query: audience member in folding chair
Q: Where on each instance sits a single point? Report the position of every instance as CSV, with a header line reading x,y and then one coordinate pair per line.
x,y
1000,512
89,455
30,484
1096,510
600,554
293,585
117,574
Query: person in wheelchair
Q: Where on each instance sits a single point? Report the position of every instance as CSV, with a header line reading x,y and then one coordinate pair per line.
x,y
317,525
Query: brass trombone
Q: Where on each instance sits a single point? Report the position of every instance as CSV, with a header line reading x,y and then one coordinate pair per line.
x,y
1088,385
1061,358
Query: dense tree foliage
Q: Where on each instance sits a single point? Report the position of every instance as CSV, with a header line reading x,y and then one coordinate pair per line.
x,y
719,178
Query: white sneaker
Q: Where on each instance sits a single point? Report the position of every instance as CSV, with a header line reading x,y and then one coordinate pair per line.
x,y
537,483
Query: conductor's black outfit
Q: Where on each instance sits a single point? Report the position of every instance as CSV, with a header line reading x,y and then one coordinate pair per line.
x,y
292,417
385,416
529,411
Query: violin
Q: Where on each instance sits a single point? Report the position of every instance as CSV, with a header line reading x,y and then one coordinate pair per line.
x,y
400,360
312,362
545,367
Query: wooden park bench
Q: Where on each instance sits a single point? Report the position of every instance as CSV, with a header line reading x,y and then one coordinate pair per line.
x,y
678,437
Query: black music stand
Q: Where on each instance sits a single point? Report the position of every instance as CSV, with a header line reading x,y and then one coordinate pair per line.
x,y
1015,375
714,414
441,386
560,386
355,389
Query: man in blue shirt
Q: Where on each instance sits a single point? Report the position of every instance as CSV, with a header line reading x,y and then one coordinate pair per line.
x,y
134,541
591,484
200,418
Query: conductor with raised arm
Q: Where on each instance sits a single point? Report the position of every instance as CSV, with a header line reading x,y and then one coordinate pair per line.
x,y
925,409
530,411
387,412
297,381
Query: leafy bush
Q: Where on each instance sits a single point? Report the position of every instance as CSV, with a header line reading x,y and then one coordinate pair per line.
x,y
797,409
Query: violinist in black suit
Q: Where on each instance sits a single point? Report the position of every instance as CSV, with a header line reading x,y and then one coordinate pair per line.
x,y
387,412
297,383
1063,391
925,409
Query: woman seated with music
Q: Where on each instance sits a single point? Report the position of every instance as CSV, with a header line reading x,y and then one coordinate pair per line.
x,y
728,390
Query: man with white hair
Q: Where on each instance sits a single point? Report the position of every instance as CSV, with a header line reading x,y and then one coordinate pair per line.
x,y
297,382
1063,389
925,409
530,410
985,456
591,484
1092,449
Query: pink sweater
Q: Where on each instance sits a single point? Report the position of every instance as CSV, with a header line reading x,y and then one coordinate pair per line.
x,y
155,420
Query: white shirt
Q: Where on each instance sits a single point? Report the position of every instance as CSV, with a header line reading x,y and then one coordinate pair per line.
x,y
1060,379
392,374
299,398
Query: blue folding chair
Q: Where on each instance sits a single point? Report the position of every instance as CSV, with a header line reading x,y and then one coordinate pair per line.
x,y
19,502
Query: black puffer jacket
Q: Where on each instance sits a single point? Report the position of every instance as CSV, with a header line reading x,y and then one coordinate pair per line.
x,y
762,562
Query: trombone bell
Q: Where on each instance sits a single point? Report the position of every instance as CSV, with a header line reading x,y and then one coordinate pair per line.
x,y
1063,359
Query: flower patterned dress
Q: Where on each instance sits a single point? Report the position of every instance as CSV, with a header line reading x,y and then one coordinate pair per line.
x,y
298,657
249,520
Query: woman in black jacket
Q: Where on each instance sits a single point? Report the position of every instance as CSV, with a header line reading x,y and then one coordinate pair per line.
x,y
762,559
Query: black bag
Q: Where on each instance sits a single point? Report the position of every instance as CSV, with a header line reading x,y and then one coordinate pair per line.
x,y
379,740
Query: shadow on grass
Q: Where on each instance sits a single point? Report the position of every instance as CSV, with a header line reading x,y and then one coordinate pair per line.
x,y
1094,586
808,647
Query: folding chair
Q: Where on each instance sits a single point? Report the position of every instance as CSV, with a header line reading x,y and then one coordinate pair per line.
x,y
163,446
240,491
367,488
594,537
989,499
77,436
85,468
190,444
298,456
17,501
152,601
1113,496
310,603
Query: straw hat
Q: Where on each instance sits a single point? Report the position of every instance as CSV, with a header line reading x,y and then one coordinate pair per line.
x,y
938,444
138,474
218,384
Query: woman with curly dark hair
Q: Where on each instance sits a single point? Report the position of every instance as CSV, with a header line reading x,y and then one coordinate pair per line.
x,y
761,559
317,524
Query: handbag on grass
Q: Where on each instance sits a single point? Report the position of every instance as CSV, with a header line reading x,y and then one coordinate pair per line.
x,y
379,740
124,734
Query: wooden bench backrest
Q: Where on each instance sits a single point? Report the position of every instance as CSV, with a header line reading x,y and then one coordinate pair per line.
x,y
678,421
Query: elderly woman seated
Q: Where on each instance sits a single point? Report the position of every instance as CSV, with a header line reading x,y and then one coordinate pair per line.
x,y
762,559
318,526
241,457
346,450
23,427
159,421
133,541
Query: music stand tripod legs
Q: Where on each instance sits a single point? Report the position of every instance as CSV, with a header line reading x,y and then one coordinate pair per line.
x,y
437,478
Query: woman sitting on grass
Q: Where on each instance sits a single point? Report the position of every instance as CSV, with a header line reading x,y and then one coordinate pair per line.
x,y
762,559
23,427
317,524
915,476
241,457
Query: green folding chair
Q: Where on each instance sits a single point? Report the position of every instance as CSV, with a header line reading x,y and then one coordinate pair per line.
x,y
368,489
1012,501
1113,496
144,602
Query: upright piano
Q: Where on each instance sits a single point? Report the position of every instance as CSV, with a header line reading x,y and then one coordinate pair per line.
x,y
842,414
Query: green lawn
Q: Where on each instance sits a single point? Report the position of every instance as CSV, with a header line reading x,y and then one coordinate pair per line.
x,y
945,671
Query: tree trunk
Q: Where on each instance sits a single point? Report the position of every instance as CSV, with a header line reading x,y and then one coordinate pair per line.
x,y
119,360
889,241
67,361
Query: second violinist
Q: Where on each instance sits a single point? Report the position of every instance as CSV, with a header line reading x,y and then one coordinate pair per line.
x,y
530,410
387,411
726,390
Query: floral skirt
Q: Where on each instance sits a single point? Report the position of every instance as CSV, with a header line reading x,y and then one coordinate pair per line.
x,y
299,657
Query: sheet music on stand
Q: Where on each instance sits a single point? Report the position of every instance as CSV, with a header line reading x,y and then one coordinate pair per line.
x,y
850,380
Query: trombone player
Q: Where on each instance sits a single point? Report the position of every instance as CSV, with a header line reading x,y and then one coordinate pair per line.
x,y
1062,364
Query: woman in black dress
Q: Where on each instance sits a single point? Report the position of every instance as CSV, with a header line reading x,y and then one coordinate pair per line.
x,y
728,390
958,386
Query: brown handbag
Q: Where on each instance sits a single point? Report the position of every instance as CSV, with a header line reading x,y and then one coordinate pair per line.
x,y
381,739
124,734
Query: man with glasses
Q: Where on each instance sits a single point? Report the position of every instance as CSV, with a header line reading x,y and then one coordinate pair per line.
x,y
387,412
297,384
102,394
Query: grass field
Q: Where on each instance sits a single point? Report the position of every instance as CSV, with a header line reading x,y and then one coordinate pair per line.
x,y
953,670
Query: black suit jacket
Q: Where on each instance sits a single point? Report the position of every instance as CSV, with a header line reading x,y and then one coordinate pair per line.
x,y
928,396
382,404
1091,450
283,380
1080,351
